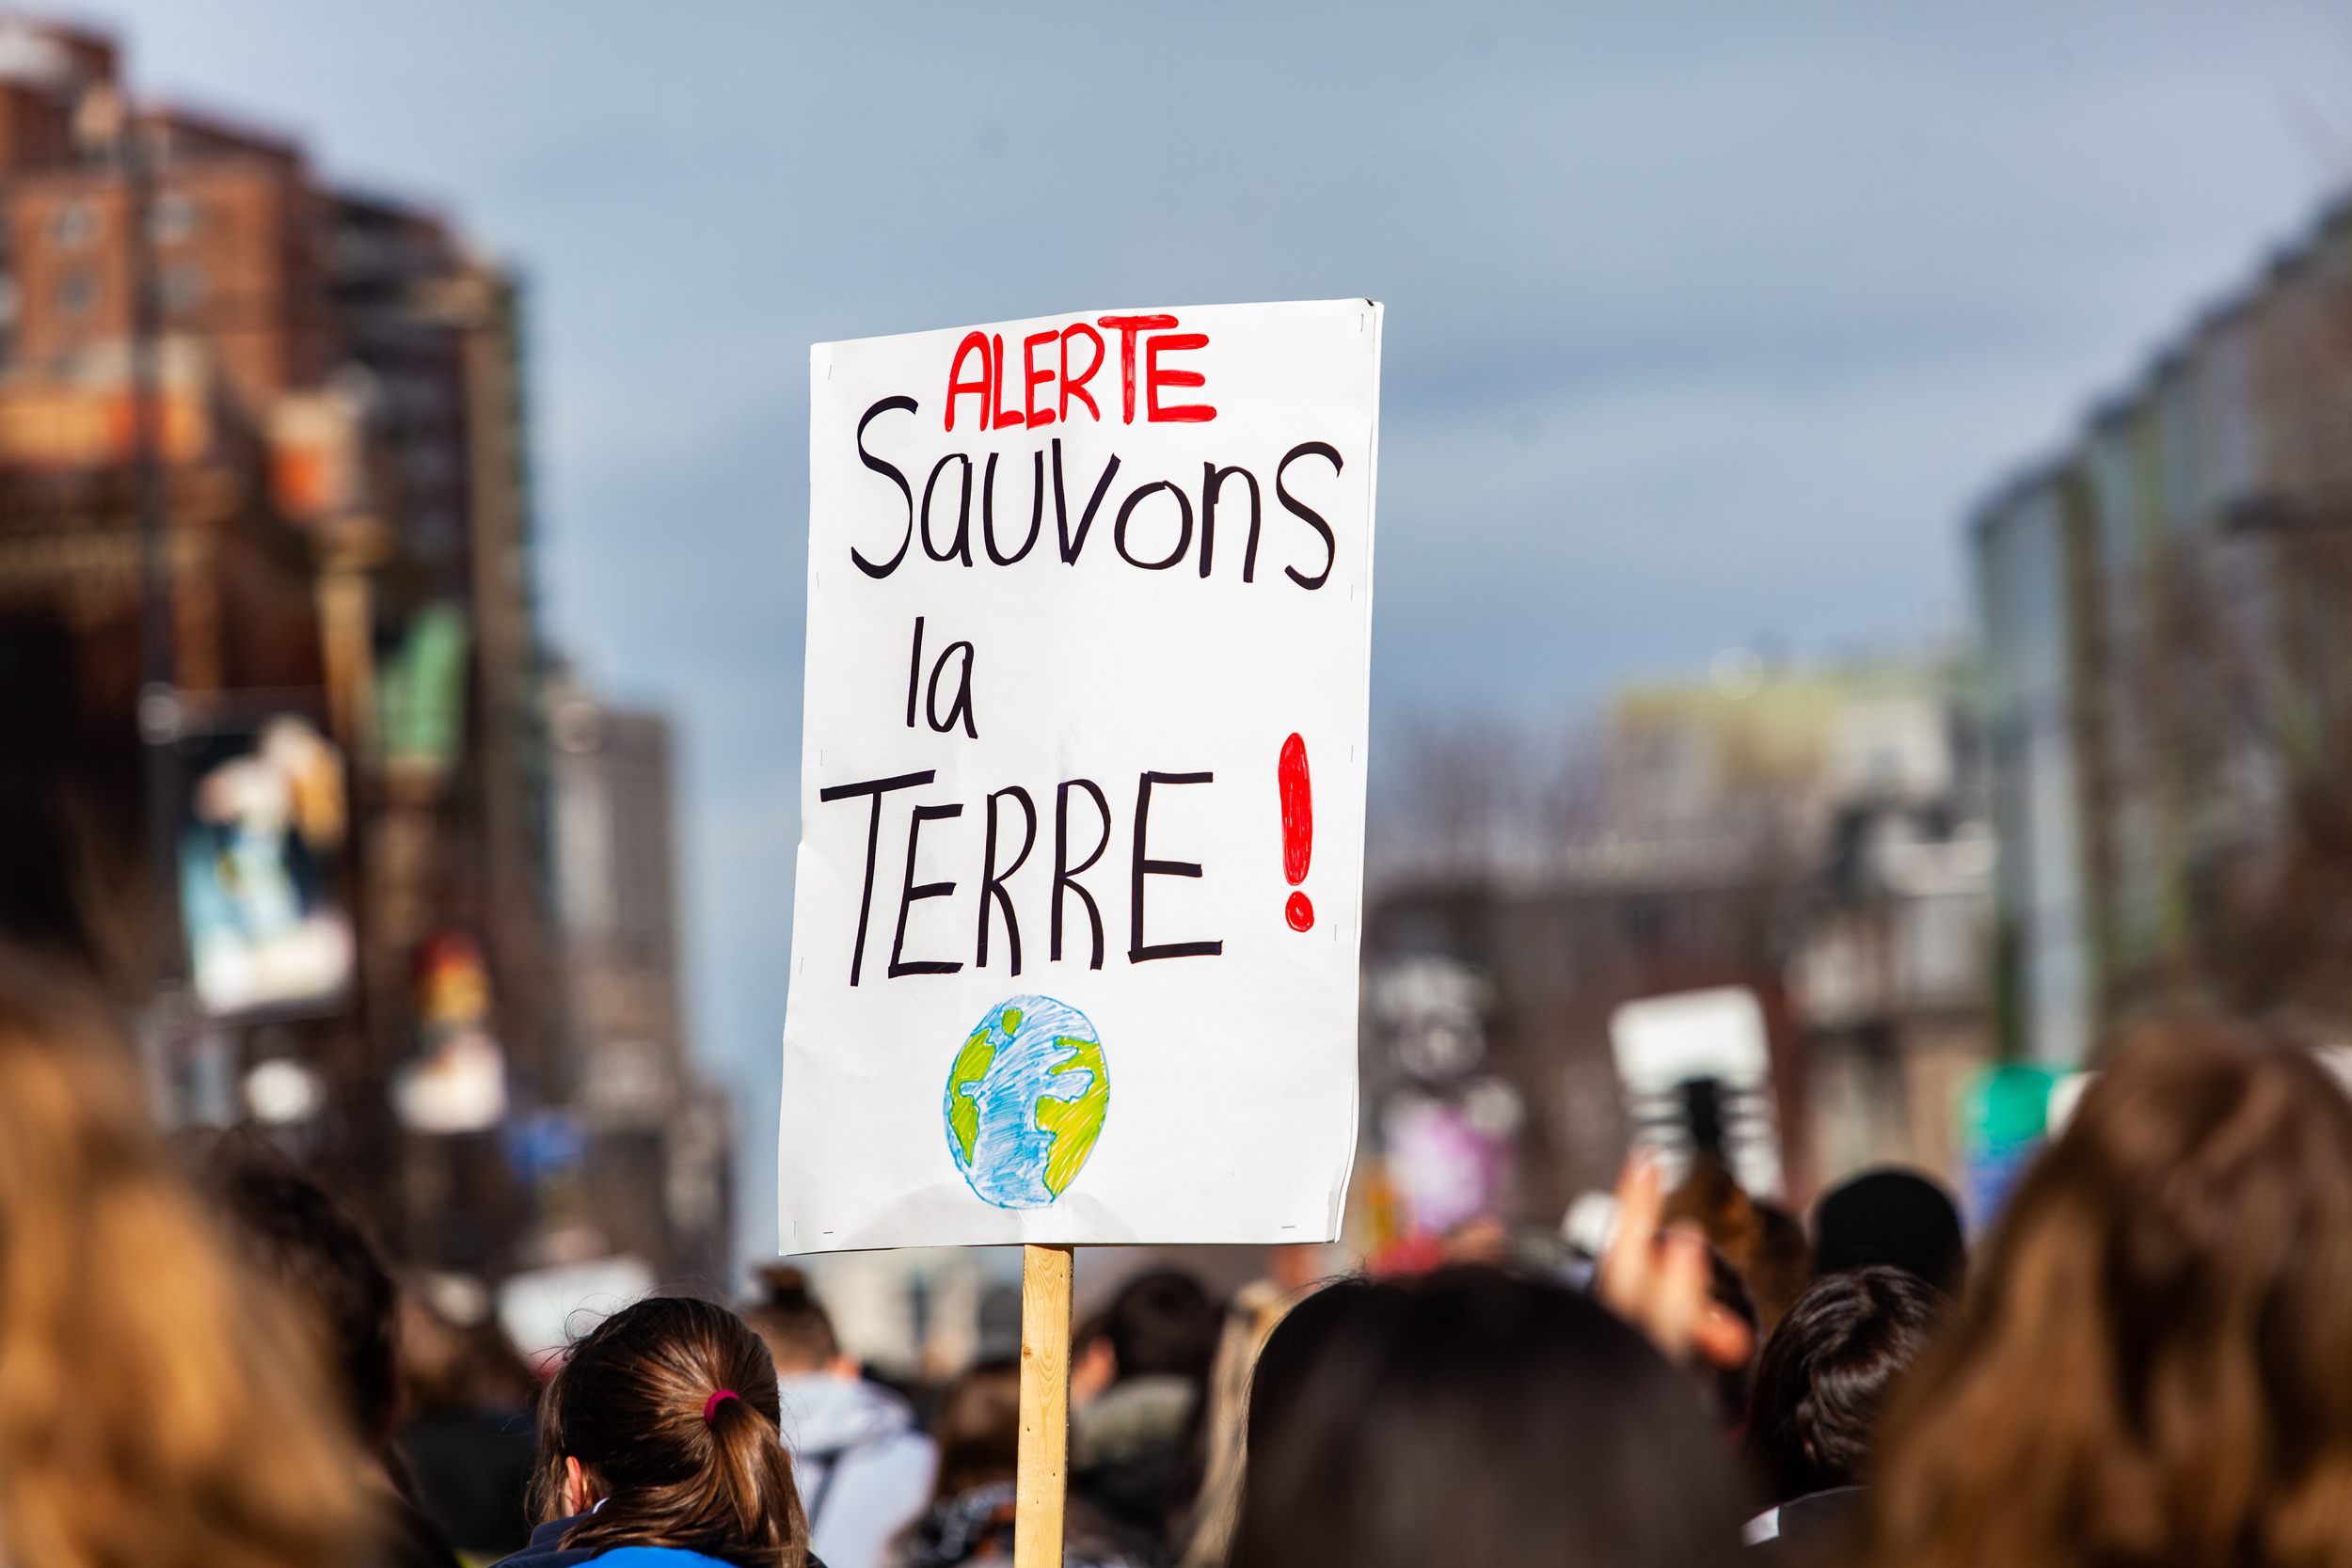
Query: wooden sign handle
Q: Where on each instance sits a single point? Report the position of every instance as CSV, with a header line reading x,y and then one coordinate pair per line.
x,y
1036,1526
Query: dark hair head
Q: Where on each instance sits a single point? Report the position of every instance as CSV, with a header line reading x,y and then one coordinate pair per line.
x,y
1825,1373
1482,1420
448,1367
1163,1323
1897,1217
978,1428
629,1404
307,1243
793,1321
1278,1381
72,893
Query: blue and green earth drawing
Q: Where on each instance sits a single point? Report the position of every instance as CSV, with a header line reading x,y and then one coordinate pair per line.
x,y
1025,1102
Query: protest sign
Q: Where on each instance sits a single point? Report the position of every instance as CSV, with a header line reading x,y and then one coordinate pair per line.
x,y
1079,890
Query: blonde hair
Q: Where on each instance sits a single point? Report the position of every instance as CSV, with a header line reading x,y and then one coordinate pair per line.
x,y
158,1409
1258,1308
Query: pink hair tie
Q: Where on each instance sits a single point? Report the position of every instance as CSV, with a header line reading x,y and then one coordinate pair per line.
x,y
710,1405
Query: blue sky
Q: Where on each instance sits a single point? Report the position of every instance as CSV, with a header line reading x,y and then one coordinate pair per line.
x,y
1706,323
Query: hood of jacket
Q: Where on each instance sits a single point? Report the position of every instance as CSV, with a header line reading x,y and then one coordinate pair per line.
x,y
824,1413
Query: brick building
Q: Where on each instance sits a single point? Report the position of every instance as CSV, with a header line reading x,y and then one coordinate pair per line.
x,y
345,517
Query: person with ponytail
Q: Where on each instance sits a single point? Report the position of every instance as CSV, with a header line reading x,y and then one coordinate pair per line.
x,y
660,1448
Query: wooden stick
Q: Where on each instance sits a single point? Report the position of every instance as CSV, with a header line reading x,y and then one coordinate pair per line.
x,y
1044,1406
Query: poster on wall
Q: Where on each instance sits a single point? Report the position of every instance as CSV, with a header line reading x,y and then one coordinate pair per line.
x,y
260,841
1079,885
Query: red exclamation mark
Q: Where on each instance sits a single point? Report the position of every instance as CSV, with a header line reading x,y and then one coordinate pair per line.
x,y
1298,828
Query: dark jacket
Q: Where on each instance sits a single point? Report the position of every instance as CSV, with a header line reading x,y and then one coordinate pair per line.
x,y
410,1539
472,1471
1804,1531
1130,1458
974,1529
547,1548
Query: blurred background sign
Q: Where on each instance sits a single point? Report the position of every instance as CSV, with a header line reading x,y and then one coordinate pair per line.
x,y
2007,1112
1697,1073
457,1083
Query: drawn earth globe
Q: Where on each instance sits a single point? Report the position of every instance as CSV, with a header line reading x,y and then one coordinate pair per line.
x,y
1026,1096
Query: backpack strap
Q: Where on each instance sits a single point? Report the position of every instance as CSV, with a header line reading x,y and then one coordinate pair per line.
x,y
831,1459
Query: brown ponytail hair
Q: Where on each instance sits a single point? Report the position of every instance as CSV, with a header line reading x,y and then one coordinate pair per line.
x,y
639,1404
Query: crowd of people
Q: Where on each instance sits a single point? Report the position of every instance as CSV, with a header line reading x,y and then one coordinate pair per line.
x,y
204,1361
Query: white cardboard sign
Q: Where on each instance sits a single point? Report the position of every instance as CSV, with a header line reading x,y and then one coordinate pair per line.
x,y
1080,881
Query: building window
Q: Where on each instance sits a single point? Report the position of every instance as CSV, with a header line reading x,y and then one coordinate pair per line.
x,y
172,219
181,287
73,226
77,293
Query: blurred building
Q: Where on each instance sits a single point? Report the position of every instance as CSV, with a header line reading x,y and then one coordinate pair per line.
x,y
1474,981
1888,979
1810,837
2168,683
653,1182
318,618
